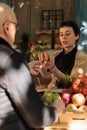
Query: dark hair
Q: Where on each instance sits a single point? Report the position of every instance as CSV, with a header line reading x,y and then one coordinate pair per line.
x,y
72,24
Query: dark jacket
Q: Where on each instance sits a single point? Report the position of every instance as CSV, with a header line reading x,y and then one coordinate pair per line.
x,y
20,105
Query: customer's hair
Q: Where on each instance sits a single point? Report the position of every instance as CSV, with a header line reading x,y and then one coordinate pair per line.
x,y
6,14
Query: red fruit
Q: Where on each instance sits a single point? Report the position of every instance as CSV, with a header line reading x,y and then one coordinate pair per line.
x,y
66,96
78,99
79,84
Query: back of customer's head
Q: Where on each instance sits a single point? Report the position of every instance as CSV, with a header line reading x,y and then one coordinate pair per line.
x,y
6,14
72,24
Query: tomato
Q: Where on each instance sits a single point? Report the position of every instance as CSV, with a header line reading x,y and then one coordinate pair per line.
x,y
79,84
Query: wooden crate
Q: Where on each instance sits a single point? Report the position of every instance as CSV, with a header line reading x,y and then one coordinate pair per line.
x,y
69,116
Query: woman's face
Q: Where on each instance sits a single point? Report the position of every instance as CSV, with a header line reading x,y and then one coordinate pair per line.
x,y
67,37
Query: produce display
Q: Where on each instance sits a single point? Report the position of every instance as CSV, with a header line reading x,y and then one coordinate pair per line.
x,y
74,98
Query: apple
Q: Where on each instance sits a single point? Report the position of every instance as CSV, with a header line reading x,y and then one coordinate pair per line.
x,y
56,96
83,108
47,98
66,96
78,99
71,106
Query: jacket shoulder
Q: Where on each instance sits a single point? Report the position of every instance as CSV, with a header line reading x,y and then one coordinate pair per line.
x,y
80,54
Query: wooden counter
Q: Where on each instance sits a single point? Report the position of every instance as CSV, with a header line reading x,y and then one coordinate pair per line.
x,y
70,121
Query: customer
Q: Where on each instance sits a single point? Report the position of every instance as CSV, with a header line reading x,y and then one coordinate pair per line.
x,y
20,105
69,60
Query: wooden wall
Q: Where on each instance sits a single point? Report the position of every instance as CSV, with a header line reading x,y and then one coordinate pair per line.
x,y
28,13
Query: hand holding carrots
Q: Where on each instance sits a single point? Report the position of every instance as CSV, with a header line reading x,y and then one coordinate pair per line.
x,y
47,61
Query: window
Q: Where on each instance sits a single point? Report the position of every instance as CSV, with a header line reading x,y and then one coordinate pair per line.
x,y
50,19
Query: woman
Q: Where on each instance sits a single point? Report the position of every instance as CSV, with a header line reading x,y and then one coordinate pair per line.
x,y
68,61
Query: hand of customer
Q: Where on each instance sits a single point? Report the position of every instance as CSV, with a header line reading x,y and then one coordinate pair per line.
x,y
44,57
59,105
48,61
35,67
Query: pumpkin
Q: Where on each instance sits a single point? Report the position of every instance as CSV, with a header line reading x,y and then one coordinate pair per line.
x,y
79,84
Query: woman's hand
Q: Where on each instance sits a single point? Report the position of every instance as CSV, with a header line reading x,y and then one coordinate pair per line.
x,y
47,61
